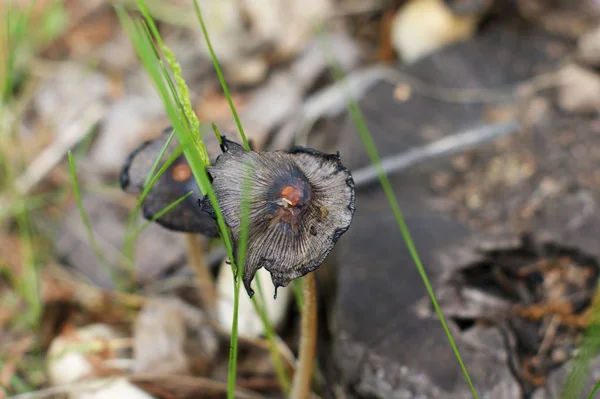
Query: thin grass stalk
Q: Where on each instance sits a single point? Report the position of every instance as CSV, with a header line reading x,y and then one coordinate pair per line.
x,y
221,77
195,152
241,260
24,279
280,371
282,376
160,214
193,148
369,144
589,348
178,108
29,279
88,226
16,29
131,230
594,390
151,179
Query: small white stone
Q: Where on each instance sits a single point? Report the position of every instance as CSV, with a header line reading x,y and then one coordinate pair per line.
x,y
249,322
67,362
578,90
421,27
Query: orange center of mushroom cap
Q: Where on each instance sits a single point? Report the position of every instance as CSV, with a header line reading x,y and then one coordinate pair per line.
x,y
181,172
291,196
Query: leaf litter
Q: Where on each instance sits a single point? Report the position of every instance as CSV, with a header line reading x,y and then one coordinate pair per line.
x,y
274,64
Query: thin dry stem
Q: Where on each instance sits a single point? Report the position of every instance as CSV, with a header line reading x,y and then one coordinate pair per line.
x,y
204,280
308,340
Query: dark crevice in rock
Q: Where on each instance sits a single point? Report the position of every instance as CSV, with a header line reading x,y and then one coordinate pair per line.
x,y
463,323
549,288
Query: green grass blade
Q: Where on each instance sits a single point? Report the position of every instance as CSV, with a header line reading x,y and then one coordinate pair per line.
x,y
589,348
151,179
241,260
194,149
27,281
282,377
367,139
180,91
88,226
162,212
181,115
16,30
27,204
220,74
594,390
217,133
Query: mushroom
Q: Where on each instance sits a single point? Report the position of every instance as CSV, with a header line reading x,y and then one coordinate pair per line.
x,y
176,181
301,201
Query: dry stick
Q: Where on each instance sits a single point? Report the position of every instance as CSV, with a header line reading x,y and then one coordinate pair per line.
x,y
53,154
331,100
308,340
204,281
449,145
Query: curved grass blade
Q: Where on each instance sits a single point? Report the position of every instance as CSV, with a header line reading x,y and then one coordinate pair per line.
x,y
282,376
594,390
221,77
161,213
130,235
16,24
589,348
369,144
88,227
241,260
179,110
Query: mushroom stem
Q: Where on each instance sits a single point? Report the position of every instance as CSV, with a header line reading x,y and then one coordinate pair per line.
x,y
301,386
204,280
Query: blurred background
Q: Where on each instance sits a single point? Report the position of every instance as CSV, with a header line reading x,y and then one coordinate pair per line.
x,y
503,210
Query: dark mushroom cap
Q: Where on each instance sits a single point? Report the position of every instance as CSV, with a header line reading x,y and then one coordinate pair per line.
x,y
301,202
175,182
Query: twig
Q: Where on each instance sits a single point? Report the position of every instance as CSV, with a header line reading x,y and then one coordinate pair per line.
x,y
204,280
446,146
51,156
331,101
549,335
308,340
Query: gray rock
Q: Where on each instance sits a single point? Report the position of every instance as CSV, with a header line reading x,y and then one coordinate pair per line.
x,y
387,342
404,353
553,388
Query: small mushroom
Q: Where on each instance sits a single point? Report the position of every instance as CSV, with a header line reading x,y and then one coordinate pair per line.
x,y
175,182
301,201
